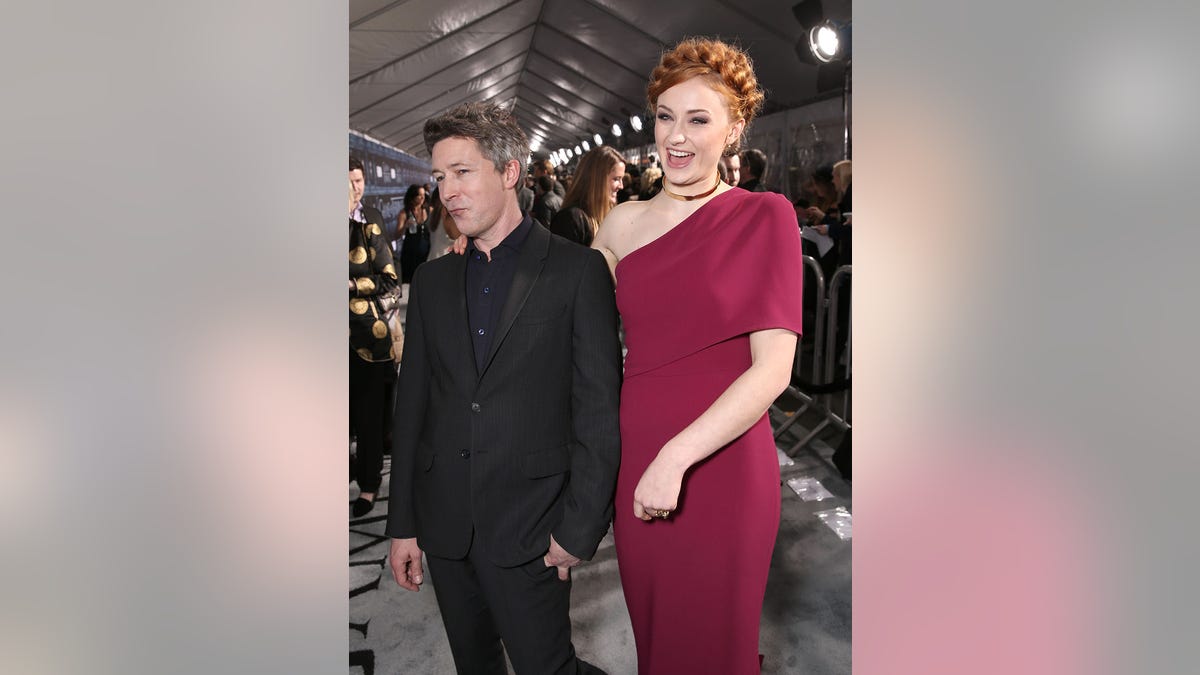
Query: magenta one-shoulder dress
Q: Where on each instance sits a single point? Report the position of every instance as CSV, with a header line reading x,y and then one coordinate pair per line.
x,y
694,583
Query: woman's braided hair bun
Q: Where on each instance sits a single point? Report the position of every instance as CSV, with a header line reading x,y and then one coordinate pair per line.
x,y
726,68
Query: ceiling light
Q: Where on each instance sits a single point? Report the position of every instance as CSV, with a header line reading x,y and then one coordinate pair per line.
x,y
599,141
616,130
635,122
578,151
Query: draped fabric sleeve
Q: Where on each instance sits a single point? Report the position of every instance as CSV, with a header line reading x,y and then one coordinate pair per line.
x,y
763,272
733,267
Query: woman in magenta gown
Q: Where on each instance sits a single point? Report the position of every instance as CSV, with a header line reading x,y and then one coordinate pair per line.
x,y
709,288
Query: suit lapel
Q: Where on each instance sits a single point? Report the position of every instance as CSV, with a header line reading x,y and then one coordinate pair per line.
x,y
529,267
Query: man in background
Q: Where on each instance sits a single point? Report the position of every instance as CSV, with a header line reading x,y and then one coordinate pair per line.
x,y
547,202
733,169
754,170
544,167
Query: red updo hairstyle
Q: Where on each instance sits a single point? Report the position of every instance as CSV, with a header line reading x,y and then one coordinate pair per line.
x,y
727,69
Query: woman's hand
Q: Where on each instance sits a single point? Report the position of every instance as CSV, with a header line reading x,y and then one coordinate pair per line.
x,y
459,246
821,229
815,214
657,493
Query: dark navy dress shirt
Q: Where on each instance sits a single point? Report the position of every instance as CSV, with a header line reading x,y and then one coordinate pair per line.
x,y
487,287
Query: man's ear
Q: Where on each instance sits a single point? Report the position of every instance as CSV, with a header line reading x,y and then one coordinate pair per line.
x,y
512,174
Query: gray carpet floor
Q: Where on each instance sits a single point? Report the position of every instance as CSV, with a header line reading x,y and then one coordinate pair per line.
x,y
805,621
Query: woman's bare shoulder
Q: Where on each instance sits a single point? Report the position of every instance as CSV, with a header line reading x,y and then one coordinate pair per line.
x,y
614,232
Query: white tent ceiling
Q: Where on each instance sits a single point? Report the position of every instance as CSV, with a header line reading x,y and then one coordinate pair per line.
x,y
568,68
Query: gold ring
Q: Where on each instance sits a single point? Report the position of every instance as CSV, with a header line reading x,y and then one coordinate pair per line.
x,y
662,513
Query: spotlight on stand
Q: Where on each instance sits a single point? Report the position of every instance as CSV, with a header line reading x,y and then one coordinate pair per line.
x,y
823,42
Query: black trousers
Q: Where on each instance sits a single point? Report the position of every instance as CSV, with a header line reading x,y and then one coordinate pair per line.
x,y
369,413
525,608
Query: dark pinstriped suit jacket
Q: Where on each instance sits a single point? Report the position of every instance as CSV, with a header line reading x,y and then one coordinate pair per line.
x,y
529,446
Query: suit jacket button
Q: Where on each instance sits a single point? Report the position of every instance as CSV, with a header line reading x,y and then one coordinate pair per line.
x,y
465,453
474,407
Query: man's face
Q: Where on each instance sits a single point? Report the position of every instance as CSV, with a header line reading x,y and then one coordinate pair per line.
x,y
538,171
356,182
472,188
733,167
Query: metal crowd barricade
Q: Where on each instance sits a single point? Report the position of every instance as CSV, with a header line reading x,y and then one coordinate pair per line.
x,y
835,287
824,343
818,342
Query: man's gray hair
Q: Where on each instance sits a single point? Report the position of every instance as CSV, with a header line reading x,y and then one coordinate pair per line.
x,y
492,127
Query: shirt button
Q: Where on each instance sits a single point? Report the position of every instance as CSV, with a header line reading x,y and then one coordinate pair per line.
x,y
474,407
465,453
486,290
480,331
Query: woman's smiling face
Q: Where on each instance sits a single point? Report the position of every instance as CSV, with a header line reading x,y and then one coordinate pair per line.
x,y
692,127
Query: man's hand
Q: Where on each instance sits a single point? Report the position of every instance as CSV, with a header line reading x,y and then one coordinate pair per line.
x,y
405,560
459,245
558,557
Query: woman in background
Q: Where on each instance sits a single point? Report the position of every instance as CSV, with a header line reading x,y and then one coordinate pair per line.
x,y
413,232
651,183
442,230
593,193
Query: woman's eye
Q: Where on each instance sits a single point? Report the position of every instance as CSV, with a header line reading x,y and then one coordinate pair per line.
x,y
699,120
664,117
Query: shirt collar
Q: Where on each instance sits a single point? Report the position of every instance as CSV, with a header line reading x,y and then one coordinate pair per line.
x,y
513,242
358,213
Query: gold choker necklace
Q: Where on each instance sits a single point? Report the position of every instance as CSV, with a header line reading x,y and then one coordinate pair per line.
x,y
688,198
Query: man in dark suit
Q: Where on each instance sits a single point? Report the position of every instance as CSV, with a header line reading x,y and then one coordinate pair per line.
x,y
506,443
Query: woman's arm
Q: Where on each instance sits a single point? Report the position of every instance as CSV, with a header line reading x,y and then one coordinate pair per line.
x,y
737,409
448,223
608,233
